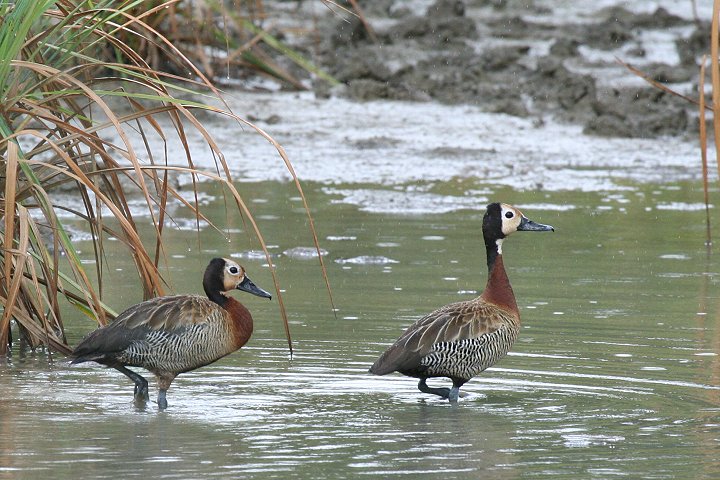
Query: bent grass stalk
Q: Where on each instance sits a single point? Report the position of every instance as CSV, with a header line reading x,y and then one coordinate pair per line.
x,y
715,76
703,150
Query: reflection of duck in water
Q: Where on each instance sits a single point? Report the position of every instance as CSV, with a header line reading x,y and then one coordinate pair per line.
x,y
462,339
175,334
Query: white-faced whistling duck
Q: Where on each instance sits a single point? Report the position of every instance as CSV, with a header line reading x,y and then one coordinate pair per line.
x,y
175,334
462,339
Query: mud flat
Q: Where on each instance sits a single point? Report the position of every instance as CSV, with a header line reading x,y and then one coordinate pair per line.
x,y
404,148
540,60
457,99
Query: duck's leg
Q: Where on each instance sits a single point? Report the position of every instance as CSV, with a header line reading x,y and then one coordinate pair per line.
x,y
141,385
423,387
455,390
162,401
164,380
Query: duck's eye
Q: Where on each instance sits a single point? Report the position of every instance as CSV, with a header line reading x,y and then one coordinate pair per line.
x,y
234,270
509,214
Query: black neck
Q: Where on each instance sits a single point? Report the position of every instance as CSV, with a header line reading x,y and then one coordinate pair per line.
x,y
216,296
213,281
491,250
492,232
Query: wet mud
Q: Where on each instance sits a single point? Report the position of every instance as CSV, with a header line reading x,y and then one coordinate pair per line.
x,y
525,59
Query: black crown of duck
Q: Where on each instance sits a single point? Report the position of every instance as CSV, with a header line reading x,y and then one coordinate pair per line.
x,y
175,334
462,339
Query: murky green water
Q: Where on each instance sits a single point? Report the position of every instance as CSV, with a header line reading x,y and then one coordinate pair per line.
x,y
615,374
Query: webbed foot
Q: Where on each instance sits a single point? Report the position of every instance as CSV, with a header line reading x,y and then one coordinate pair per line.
x,y
452,394
140,394
423,387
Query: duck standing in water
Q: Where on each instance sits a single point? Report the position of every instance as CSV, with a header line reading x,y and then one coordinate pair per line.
x,y
175,334
462,339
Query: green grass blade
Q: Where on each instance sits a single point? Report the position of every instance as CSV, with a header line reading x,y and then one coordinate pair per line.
x,y
17,20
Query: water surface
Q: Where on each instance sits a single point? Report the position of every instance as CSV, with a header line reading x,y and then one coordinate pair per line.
x,y
615,372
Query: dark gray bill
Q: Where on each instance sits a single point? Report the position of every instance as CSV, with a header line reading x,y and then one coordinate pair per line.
x,y
248,286
527,225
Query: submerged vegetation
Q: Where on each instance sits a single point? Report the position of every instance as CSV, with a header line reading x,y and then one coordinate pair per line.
x,y
83,87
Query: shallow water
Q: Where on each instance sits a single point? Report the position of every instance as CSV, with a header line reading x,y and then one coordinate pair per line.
x,y
615,372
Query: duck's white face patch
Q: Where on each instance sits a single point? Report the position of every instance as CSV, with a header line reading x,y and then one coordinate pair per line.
x,y
234,274
511,218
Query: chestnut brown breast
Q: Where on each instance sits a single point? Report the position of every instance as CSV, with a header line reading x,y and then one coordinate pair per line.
x,y
240,322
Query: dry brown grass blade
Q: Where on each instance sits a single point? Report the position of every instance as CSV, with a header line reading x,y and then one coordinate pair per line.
x,y
12,295
88,134
236,54
91,295
298,186
116,123
715,75
51,275
35,302
10,199
142,112
155,286
35,329
160,184
655,83
702,107
228,178
703,149
248,215
356,12
78,134
110,36
193,207
363,20
69,294
179,108
12,283
143,262
204,81
329,4
256,230
263,245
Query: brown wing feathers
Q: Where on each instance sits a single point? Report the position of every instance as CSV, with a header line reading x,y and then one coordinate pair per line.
x,y
168,313
171,313
451,323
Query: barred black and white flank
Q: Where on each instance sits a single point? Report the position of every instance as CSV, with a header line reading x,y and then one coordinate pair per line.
x,y
462,339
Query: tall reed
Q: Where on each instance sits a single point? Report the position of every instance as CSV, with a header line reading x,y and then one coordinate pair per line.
x,y
67,114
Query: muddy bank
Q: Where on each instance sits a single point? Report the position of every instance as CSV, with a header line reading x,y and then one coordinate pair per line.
x,y
526,59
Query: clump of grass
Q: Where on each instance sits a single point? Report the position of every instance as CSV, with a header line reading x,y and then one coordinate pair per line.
x,y
72,120
220,38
